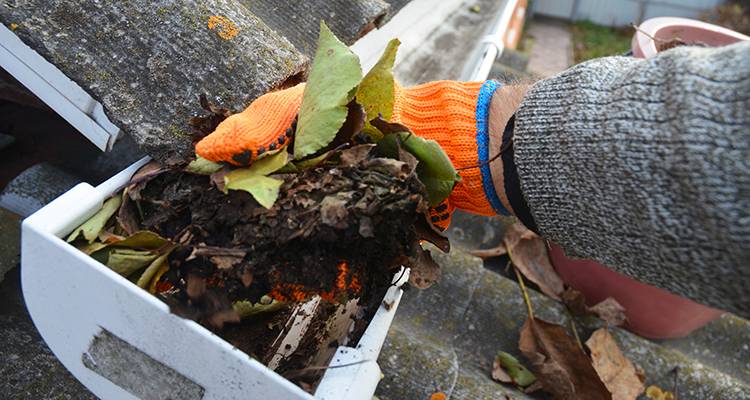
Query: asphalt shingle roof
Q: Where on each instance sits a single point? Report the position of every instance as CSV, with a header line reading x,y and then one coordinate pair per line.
x,y
147,62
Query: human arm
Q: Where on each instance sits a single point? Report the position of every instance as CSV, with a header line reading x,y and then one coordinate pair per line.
x,y
644,165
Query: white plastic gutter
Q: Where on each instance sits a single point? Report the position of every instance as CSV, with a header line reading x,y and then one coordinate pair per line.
x,y
54,88
494,43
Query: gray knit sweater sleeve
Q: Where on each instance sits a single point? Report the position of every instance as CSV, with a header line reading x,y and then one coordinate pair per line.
x,y
644,166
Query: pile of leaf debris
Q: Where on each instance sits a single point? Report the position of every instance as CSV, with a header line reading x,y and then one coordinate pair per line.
x,y
320,224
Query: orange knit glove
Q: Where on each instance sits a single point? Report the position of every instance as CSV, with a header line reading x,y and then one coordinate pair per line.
x,y
444,111
262,126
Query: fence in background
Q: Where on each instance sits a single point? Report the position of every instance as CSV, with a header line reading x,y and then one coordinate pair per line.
x,y
621,12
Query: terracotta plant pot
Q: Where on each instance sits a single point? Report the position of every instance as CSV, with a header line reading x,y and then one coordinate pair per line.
x,y
665,29
652,312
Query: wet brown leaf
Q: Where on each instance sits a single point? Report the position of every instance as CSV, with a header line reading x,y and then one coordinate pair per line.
x,y
529,254
425,272
615,370
575,301
127,215
558,363
354,123
426,231
388,127
205,124
147,172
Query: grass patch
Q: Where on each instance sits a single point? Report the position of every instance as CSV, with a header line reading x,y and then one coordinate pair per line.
x,y
592,41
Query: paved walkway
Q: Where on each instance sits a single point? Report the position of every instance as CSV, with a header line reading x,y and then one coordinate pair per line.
x,y
552,48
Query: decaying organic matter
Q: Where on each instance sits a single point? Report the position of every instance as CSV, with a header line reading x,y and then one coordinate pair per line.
x,y
334,231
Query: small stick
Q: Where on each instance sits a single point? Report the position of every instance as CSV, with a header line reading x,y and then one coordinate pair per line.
x,y
575,332
526,299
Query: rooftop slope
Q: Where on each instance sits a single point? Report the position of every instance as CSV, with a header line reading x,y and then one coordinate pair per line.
x,y
148,62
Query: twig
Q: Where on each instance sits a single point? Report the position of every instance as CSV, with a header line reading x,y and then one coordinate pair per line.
x,y
674,383
523,290
301,372
575,332
503,149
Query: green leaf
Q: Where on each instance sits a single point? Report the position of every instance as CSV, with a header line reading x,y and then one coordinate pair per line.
x,y
127,261
434,169
260,167
201,166
305,164
376,92
91,228
265,190
142,240
247,309
517,372
144,281
332,83
253,180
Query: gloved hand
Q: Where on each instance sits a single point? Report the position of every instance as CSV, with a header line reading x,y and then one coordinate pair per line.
x,y
454,114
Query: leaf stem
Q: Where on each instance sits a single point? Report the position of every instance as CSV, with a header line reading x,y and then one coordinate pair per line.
x,y
522,285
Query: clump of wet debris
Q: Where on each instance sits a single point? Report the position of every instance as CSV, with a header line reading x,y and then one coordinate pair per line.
x,y
289,255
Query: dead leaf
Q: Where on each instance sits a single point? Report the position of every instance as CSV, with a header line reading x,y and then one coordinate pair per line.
x,y
356,154
225,262
127,215
575,301
142,176
399,169
489,253
426,231
205,124
353,124
425,272
558,363
615,370
529,253
610,311
654,392
408,158
333,211
91,228
218,180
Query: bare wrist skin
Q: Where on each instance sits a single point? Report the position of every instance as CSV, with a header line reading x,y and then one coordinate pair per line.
x,y
504,104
